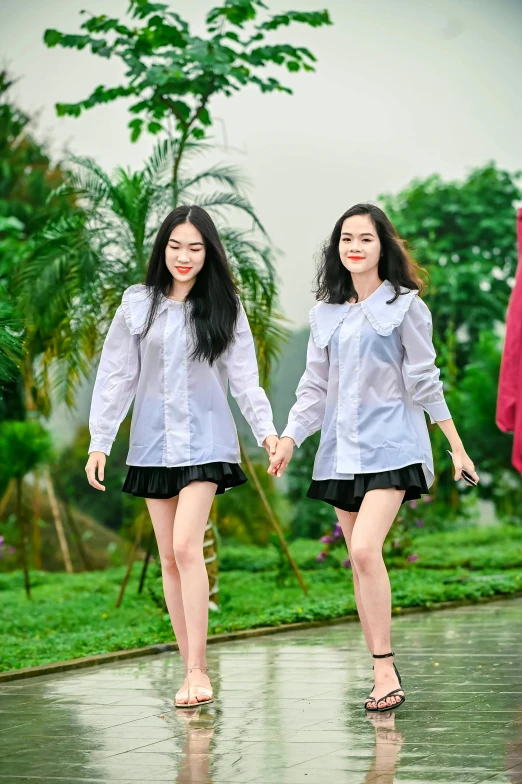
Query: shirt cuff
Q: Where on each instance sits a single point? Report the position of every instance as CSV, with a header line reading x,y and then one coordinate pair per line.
x,y
296,431
263,430
438,411
100,444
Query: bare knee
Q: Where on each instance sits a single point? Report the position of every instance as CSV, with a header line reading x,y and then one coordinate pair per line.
x,y
365,558
187,553
168,563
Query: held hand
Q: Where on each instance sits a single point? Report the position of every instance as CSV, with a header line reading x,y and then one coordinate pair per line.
x,y
270,443
461,462
282,457
96,461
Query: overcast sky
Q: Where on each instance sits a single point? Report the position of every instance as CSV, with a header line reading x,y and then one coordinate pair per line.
x,y
402,89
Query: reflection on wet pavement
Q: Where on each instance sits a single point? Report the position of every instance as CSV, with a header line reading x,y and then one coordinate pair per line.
x,y
287,711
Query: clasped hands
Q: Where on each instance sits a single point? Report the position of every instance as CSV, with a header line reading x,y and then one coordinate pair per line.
x,y
279,452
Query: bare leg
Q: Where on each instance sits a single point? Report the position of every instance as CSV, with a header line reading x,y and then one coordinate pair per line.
x,y
190,522
162,513
377,513
347,522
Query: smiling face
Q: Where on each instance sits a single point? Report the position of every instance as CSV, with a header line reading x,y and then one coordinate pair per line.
x,y
359,246
185,253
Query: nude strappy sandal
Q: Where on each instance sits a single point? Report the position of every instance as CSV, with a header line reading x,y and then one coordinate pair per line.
x,y
202,691
181,694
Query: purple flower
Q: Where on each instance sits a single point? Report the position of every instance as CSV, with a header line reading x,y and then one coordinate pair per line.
x,y
2,540
321,556
419,523
413,504
427,499
326,539
396,543
337,530
413,557
11,550
347,564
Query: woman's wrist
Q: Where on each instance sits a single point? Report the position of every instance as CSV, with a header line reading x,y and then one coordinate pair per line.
x,y
457,447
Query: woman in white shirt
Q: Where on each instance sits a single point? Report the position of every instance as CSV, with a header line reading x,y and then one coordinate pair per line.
x,y
370,376
175,344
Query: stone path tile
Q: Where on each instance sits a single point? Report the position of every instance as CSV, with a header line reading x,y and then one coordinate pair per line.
x,y
287,711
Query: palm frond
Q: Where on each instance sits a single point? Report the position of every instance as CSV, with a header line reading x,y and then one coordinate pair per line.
x,y
229,176
221,201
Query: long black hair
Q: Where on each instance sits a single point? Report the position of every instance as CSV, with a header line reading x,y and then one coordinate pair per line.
x,y
212,304
334,284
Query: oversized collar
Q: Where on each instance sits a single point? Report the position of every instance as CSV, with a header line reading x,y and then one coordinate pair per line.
x,y
136,302
325,318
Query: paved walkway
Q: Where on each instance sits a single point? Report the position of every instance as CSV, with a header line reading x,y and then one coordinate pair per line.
x,y
287,711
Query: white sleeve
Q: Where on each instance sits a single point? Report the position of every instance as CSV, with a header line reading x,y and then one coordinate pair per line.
x,y
240,362
116,383
420,374
307,413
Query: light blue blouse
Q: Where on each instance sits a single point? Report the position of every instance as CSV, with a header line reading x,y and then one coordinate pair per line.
x,y
370,376
181,415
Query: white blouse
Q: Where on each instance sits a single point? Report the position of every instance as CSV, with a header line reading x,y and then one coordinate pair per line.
x,y
181,415
370,375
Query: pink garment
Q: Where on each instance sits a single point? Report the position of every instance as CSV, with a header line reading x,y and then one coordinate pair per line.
x,y
509,402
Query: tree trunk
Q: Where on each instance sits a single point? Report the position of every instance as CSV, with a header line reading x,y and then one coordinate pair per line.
x,y
64,547
23,531
37,539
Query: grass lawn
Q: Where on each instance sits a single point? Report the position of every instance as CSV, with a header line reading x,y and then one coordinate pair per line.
x,y
74,615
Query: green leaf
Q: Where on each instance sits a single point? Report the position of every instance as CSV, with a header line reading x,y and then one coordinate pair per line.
x,y
52,38
68,109
136,126
154,127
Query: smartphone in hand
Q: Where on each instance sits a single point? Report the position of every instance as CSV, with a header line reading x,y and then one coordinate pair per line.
x,y
469,479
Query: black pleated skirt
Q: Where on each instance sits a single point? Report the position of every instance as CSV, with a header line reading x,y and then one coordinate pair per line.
x,y
347,494
163,482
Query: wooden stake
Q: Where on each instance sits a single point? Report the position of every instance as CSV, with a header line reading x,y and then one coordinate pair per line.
x,y
23,530
272,518
132,557
7,495
37,539
150,545
66,555
71,522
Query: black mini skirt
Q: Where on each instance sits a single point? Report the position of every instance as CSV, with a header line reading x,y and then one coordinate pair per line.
x,y
163,482
347,494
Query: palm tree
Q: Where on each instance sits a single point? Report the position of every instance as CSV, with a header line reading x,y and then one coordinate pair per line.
x,y
83,262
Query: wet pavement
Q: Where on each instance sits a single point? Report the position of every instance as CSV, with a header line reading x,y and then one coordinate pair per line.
x,y
287,711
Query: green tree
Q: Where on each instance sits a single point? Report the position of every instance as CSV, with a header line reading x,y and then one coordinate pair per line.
x,y
172,75
464,234
24,446
27,179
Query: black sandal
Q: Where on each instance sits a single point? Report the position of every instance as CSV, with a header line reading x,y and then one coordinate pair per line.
x,y
390,694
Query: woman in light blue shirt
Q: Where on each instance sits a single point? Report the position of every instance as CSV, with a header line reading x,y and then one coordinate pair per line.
x,y
175,344
370,376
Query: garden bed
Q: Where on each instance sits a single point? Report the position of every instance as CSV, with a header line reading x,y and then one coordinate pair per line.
x,y
71,616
